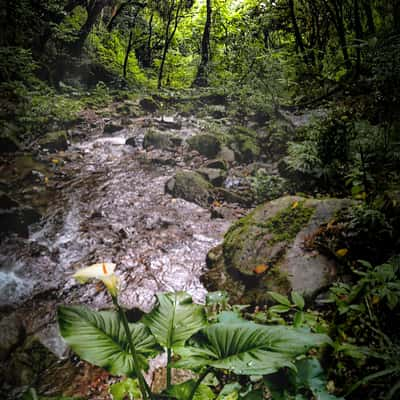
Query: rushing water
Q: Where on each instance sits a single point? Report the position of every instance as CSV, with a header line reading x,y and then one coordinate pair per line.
x,y
109,205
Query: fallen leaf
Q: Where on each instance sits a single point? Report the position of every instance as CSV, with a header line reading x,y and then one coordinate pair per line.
x,y
375,299
259,269
216,204
46,180
55,161
341,252
295,204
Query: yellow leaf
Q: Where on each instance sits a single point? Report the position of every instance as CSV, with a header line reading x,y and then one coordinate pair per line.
x,y
341,252
259,269
295,204
46,180
216,204
55,161
375,299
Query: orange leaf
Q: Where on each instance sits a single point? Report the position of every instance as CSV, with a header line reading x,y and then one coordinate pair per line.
x,y
259,269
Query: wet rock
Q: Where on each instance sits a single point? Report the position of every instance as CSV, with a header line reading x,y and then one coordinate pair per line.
x,y
54,141
11,335
109,129
217,111
206,144
218,164
160,140
231,196
8,140
17,220
244,143
213,175
190,186
169,123
131,142
149,105
226,154
273,236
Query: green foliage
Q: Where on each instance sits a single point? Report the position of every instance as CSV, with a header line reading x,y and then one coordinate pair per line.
x,y
126,389
267,187
99,338
16,64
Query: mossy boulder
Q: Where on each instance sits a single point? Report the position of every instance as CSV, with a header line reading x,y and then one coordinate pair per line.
x,y
54,141
206,144
160,140
148,104
214,175
244,142
265,249
190,186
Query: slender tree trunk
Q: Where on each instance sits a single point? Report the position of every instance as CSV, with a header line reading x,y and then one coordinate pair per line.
x,y
297,35
201,78
370,16
169,37
148,55
128,50
359,35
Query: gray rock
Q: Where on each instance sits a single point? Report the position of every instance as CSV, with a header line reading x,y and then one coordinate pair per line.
x,y
213,175
226,154
160,140
54,141
148,104
109,129
273,235
131,142
190,186
206,144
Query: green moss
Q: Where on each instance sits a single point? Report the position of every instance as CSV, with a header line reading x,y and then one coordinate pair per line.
x,y
287,223
244,143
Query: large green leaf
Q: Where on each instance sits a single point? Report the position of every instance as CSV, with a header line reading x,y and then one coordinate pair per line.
x,y
248,348
175,319
99,337
183,390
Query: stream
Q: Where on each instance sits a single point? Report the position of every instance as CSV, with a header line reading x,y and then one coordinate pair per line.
x,y
107,204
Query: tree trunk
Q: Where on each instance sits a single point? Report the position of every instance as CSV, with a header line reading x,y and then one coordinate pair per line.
x,y
359,36
370,16
148,52
201,78
297,35
128,50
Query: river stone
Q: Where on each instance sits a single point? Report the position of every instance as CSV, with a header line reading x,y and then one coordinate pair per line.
x,y
148,104
54,141
213,175
109,129
226,154
160,140
131,142
273,235
244,143
206,144
190,186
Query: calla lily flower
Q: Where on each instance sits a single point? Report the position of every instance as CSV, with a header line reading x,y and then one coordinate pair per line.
x,y
101,271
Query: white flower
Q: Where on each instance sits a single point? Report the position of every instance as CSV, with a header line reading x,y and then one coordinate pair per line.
x,y
101,271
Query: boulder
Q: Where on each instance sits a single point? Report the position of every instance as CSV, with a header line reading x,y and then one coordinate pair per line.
x,y
54,141
226,154
213,175
109,129
206,144
131,142
149,105
190,186
244,142
160,140
273,236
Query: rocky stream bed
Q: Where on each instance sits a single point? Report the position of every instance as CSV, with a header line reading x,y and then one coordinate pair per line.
x,y
114,194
